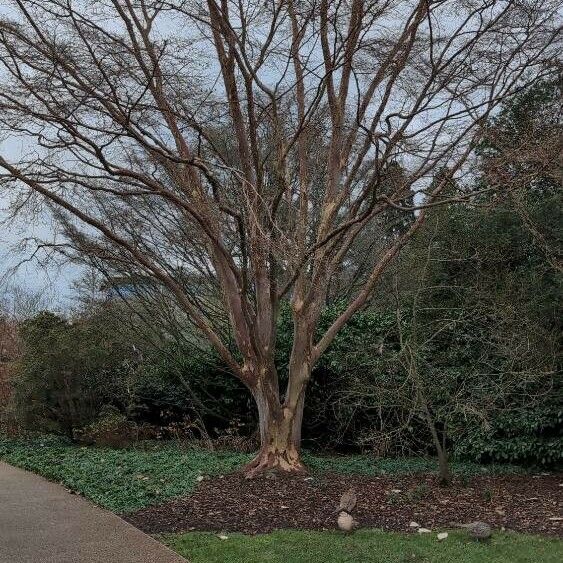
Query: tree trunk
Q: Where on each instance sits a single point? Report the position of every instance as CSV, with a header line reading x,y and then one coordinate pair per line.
x,y
444,475
280,434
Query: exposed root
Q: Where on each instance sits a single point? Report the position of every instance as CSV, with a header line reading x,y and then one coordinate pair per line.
x,y
275,462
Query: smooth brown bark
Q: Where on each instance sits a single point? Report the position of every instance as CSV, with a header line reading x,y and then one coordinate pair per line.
x,y
280,432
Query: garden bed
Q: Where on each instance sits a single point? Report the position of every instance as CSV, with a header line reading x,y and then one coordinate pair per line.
x,y
231,503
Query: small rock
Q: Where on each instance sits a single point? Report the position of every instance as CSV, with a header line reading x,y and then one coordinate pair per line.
x,y
424,531
395,491
556,518
223,537
414,525
199,478
442,536
479,530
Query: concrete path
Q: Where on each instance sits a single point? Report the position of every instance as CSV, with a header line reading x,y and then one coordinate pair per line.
x,y
40,522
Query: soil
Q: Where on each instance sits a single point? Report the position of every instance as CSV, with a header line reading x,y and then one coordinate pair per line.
x,y
231,503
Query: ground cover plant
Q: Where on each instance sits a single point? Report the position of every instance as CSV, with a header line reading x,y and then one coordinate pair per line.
x,y
119,479
128,479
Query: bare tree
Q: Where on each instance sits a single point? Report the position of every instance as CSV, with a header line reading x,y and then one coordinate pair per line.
x,y
241,145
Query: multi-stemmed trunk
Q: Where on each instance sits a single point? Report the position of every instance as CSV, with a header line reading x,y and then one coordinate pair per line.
x,y
280,436
280,415
280,422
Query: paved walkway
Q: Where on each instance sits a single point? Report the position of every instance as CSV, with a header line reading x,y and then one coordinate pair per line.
x,y
40,522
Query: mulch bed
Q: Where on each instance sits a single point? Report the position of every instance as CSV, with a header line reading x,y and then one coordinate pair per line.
x,y
232,503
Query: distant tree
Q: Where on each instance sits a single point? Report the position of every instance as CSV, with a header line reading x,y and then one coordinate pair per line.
x,y
68,371
521,148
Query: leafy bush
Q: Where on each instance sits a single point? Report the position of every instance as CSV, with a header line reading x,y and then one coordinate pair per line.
x,y
353,404
68,372
532,436
183,384
110,429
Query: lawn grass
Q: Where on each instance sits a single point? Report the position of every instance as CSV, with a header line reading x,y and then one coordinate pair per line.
x,y
364,546
129,479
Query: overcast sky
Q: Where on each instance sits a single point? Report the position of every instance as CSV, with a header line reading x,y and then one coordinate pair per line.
x,y
52,280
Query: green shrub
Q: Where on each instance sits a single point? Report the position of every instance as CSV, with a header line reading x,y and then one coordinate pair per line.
x,y
68,372
111,429
179,383
528,437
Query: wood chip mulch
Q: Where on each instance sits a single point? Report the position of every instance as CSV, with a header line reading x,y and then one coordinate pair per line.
x,y
232,503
